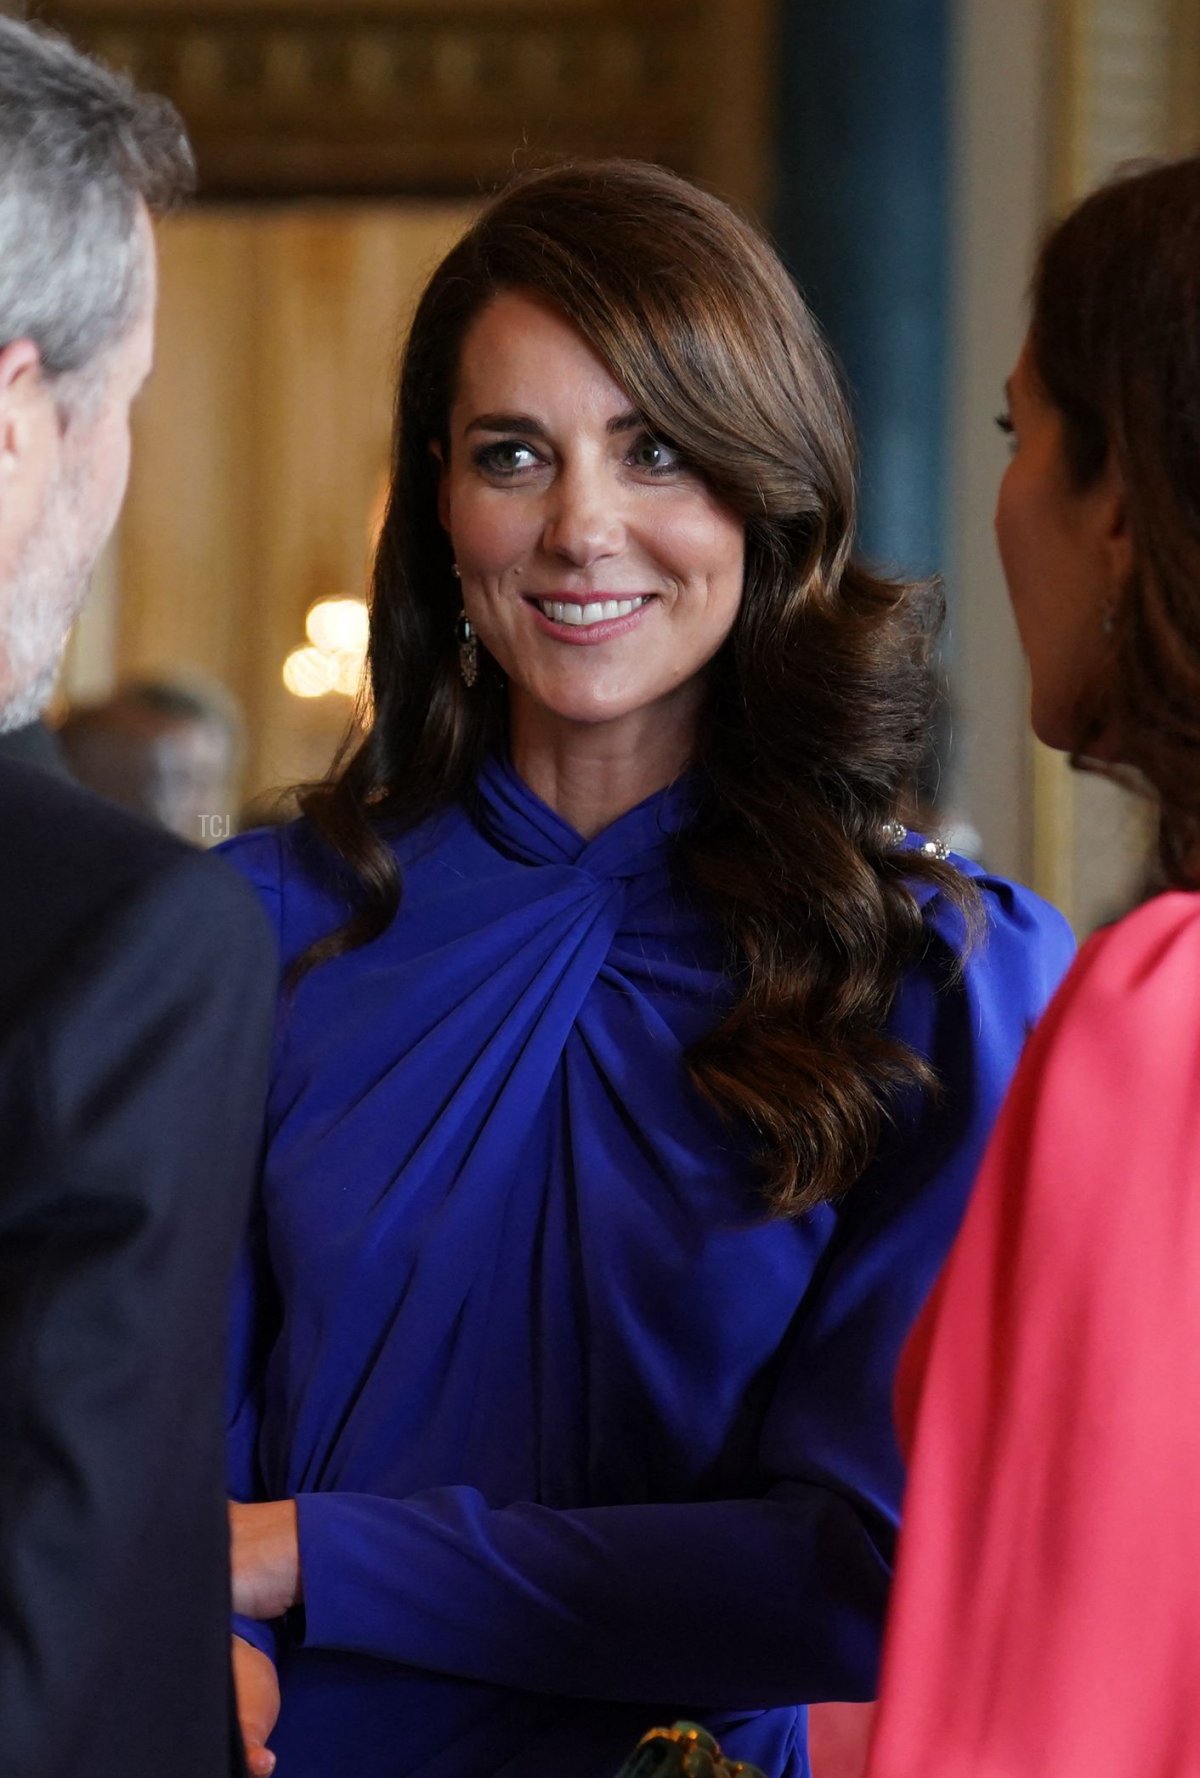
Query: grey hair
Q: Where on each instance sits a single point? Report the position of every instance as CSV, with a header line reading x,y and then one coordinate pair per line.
x,y
79,147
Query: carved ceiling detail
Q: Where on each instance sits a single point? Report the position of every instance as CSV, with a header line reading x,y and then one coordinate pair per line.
x,y
353,98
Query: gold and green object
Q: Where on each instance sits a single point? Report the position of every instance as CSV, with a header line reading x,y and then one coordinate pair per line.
x,y
683,1751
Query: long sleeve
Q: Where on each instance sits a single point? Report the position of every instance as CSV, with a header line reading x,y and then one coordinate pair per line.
x,y
743,1602
130,1097
616,1602
1046,1618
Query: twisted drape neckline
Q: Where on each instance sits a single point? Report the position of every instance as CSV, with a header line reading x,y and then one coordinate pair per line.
x,y
519,824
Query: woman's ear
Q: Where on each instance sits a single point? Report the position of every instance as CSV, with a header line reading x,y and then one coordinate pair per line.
x,y
443,503
1116,538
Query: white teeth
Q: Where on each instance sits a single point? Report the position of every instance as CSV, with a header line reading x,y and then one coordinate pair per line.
x,y
560,611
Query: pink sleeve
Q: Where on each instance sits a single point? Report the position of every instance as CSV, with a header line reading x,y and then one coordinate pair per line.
x,y
1045,1620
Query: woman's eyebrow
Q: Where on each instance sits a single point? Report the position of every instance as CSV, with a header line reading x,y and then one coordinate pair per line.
x,y
625,422
507,423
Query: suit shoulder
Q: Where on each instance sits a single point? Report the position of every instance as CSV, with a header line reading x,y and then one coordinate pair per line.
x,y
79,878
52,827
201,893
187,933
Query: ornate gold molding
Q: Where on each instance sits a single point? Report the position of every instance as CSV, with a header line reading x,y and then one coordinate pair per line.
x,y
375,97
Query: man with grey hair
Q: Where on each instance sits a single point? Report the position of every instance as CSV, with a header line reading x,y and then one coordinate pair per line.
x,y
136,994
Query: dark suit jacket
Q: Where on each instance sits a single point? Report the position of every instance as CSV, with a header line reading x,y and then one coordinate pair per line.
x,y
136,990
34,745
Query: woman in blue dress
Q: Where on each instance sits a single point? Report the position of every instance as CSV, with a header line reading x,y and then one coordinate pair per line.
x,y
633,1064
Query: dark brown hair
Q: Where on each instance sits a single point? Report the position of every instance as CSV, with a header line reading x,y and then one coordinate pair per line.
x,y
1115,345
818,703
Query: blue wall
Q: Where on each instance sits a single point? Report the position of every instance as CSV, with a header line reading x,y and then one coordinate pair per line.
x,y
862,219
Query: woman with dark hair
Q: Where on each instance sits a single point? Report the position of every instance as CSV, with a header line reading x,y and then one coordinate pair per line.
x,y
631,1071
1046,1621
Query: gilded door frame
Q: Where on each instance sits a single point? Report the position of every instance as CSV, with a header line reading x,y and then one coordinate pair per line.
x,y
431,97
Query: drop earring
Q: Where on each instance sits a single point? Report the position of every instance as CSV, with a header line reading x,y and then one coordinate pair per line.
x,y
468,650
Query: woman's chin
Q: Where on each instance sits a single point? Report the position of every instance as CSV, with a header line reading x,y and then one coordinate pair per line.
x,y
1051,733
588,705
1069,732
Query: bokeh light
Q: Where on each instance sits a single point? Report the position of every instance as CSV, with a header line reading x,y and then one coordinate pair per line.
x,y
310,672
339,626
336,654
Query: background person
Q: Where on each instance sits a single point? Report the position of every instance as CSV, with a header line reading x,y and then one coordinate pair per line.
x,y
1046,1621
134,1020
164,749
566,1353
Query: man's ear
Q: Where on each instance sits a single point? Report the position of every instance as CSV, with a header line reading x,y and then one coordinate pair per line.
x,y
443,503
23,398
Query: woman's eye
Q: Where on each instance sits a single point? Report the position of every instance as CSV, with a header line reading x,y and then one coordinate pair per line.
x,y
653,455
1005,422
508,456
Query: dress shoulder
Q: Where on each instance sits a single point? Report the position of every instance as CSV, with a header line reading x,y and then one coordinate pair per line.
x,y
1023,943
1120,1037
258,857
1144,966
304,888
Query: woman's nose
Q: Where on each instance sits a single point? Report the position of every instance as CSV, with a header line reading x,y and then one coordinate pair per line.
x,y
584,523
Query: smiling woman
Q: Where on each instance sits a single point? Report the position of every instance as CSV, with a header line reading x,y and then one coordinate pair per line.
x,y
600,571
565,1355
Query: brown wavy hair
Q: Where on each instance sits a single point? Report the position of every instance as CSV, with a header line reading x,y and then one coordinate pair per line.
x,y
818,703
1115,345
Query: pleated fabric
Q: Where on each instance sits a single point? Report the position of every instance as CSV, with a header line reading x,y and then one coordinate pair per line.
x,y
582,1440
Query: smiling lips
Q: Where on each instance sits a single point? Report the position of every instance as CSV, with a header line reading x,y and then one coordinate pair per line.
x,y
596,611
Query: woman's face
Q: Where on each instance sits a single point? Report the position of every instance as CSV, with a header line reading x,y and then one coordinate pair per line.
x,y
1066,559
597,568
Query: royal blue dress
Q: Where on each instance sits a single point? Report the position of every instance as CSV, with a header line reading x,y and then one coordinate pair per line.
x,y
581,1440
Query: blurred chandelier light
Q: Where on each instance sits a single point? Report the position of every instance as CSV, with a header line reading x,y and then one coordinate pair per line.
x,y
339,626
336,653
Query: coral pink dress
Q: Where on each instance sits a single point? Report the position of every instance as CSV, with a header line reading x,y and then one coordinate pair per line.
x,y
1046,1616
